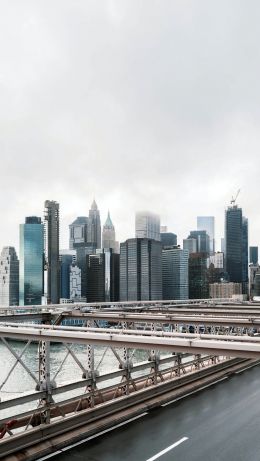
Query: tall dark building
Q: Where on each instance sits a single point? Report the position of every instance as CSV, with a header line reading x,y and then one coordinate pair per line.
x,y
96,278
140,270
236,245
253,255
198,276
52,236
202,239
245,255
175,274
111,262
82,253
168,239
94,226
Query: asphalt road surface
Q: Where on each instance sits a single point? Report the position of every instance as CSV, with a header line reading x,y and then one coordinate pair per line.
x,y
220,423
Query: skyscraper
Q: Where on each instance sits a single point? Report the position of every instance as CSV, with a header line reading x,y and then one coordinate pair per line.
x,y
67,258
147,225
109,235
111,274
253,257
236,244
245,255
52,235
202,239
207,223
175,273
168,239
140,270
190,244
94,226
198,276
31,261
9,277
78,232
96,278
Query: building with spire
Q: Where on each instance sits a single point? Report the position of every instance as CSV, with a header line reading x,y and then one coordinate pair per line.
x,y
109,235
94,226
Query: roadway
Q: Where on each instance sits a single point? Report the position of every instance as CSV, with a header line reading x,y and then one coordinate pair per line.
x,y
219,423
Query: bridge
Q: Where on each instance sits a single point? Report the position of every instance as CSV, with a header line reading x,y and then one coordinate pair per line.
x,y
129,357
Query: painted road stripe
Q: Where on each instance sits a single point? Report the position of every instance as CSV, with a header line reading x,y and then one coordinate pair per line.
x,y
167,449
193,392
244,369
92,437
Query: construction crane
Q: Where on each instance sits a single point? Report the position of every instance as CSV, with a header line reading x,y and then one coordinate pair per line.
x,y
233,200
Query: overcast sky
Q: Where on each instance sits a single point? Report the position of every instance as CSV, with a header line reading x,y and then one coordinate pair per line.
x,y
140,104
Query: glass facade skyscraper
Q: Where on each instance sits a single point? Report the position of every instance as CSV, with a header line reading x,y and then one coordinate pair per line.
x,y
253,259
175,273
31,261
140,270
236,250
147,225
202,239
207,223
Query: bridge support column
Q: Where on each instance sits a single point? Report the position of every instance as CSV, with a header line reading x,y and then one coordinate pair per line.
x,y
127,367
154,357
91,373
45,383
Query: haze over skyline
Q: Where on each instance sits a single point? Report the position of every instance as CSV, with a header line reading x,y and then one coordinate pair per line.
x,y
142,105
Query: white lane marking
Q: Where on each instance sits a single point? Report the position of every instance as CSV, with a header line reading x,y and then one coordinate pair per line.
x,y
244,369
93,436
167,449
193,392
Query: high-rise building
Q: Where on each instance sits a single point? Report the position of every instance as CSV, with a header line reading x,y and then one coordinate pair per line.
x,y
82,253
198,276
236,251
94,226
168,239
175,273
202,241
67,258
109,236
253,255
96,278
190,244
111,275
147,225
140,270
78,232
223,245
9,277
31,261
52,236
75,282
245,255
207,223
217,259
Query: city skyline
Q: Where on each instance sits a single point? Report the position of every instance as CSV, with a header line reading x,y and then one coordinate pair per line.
x,y
66,221
151,107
